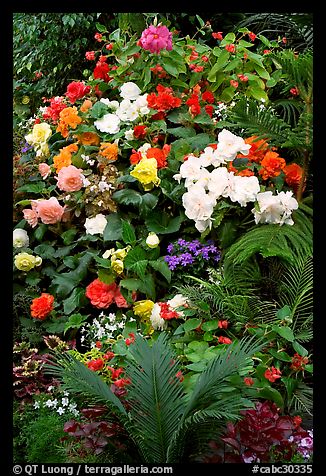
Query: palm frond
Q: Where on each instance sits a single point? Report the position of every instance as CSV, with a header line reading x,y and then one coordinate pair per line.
x,y
296,289
218,369
302,399
155,397
288,110
76,378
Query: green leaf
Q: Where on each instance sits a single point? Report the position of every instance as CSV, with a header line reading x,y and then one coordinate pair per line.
x,y
210,325
162,223
197,366
272,394
69,235
98,110
55,327
284,332
75,322
182,132
148,287
76,299
128,233
65,282
38,187
220,63
208,336
191,324
132,284
113,229
284,313
299,348
262,72
204,119
127,196
44,250
161,266
179,149
229,38
148,203
280,355
264,40
136,261
201,21
100,28
257,93
106,276
227,94
170,67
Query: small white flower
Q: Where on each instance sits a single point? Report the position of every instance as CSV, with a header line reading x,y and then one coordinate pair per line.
x,y
36,405
60,410
106,255
65,401
156,319
86,182
72,406
129,90
152,240
50,387
104,186
96,225
129,134
93,188
109,123
48,403
20,238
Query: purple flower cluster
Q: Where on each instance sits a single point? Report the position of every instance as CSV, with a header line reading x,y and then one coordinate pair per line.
x,y
304,444
26,147
183,253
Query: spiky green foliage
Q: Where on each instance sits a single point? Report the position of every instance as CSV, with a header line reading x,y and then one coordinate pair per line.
x,y
296,290
286,242
76,378
155,395
161,416
297,27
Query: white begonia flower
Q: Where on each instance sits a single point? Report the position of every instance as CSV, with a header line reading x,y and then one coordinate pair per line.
x,y
152,240
177,177
229,145
129,134
243,189
211,156
111,104
178,301
156,319
192,170
270,208
130,90
96,225
143,149
202,225
20,238
127,111
109,123
289,203
198,204
218,182
106,255
142,105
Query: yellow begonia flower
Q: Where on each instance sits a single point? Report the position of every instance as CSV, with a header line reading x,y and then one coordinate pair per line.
x,y
146,173
117,266
143,308
152,240
120,253
26,262
38,138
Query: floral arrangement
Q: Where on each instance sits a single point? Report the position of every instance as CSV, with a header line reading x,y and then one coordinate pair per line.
x,y
136,181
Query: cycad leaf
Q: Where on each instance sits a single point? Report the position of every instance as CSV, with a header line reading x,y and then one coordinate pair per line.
x,y
76,378
155,396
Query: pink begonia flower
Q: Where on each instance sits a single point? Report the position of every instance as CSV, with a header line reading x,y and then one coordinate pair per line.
x,y
70,179
45,170
156,38
31,217
49,211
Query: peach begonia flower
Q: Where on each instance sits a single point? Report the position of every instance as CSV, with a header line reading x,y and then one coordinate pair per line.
x,y
45,170
63,159
31,217
70,179
49,211
87,104
109,151
89,138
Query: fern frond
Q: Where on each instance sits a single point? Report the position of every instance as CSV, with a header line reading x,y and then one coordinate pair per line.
x,y
263,123
155,397
286,242
76,378
302,399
